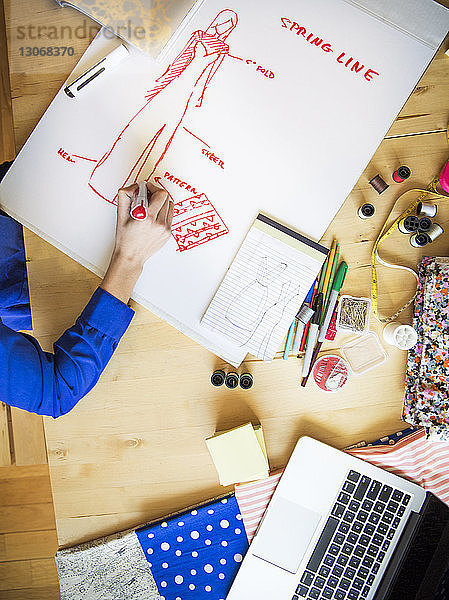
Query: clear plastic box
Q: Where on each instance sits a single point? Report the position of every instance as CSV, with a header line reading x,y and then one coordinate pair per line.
x,y
364,353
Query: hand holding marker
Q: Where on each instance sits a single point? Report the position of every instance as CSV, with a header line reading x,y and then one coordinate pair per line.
x,y
139,206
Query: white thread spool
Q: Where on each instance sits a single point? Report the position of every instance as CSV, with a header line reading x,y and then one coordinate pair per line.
x,y
426,209
403,337
435,231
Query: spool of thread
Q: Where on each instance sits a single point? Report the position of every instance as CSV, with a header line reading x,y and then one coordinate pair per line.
x,y
378,184
443,179
435,231
246,381
218,377
366,211
419,239
409,224
232,380
401,174
424,225
426,209
403,337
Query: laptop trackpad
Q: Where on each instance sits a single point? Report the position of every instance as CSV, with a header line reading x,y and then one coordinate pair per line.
x,y
285,534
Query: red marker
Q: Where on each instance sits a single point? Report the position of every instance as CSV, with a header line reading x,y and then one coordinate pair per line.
x,y
139,206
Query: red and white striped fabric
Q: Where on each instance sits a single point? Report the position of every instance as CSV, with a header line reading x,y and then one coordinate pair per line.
x,y
416,458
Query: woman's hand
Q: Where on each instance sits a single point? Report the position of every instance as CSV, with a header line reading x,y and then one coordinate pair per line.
x,y
136,241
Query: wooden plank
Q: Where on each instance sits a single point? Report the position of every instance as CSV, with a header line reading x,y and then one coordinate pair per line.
x,y
26,517
5,451
29,438
28,545
38,593
25,490
7,144
23,574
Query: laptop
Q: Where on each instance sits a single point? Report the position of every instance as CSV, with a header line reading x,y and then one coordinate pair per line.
x,y
338,528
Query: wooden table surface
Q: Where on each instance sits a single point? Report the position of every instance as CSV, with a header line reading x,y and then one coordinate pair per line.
x,y
133,449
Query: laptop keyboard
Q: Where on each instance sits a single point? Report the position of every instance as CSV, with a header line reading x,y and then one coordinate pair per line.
x,y
354,541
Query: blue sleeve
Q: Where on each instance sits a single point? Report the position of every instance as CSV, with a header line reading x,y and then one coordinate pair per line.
x,y
51,384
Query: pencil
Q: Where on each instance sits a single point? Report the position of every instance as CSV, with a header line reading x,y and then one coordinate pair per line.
x,y
288,343
318,288
331,281
330,264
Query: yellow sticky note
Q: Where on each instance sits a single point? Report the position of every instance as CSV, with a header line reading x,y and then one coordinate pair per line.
x,y
239,454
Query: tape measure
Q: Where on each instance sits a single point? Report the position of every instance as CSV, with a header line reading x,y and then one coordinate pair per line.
x,y
385,233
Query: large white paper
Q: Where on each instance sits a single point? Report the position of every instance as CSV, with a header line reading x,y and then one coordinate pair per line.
x,y
259,106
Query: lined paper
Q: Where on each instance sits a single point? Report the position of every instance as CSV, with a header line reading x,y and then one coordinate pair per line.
x,y
264,287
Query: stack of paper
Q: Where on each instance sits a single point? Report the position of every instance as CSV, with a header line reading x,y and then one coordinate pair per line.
x,y
239,454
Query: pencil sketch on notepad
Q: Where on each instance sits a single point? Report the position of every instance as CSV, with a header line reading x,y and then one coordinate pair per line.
x,y
264,287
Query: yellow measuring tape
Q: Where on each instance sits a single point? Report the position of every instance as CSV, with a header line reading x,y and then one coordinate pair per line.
x,y
385,233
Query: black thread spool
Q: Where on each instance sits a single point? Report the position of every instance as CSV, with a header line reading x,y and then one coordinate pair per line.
x,y
409,225
424,225
218,378
378,184
366,211
419,239
232,380
401,174
246,381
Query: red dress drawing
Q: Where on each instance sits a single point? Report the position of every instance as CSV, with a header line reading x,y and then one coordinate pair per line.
x,y
144,141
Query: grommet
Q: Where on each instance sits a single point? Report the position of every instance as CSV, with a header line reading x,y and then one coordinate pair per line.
x,y
232,380
419,239
401,174
246,381
366,211
218,377
408,224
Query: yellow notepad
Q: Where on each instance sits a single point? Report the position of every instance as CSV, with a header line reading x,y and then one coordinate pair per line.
x,y
239,454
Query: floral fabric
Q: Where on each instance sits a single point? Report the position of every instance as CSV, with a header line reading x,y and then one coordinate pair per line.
x,y
426,400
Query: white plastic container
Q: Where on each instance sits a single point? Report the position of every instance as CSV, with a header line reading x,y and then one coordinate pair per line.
x,y
364,353
403,337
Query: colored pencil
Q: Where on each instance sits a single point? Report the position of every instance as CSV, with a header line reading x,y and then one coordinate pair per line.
x,y
288,343
330,263
331,281
306,328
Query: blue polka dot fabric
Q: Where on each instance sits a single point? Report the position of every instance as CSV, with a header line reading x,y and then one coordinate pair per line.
x,y
197,554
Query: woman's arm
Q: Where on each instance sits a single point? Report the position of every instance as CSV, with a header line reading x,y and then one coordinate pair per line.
x,y
51,384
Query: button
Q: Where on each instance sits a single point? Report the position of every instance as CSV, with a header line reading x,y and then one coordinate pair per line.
x,y
344,527
332,581
358,583
302,590
339,538
364,593
386,545
357,526
385,493
406,499
324,571
307,578
381,556
375,567
349,572
353,538
368,561
348,487
382,528
329,560
369,529
314,593
340,595
363,573
343,498
338,510
362,515
359,551
371,579
345,584
374,518
396,522
378,539
392,506
354,505
397,495
334,549
349,516
353,476
347,549
367,505
327,592
379,507
372,550
387,517
354,562
337,571
374,490
353,595
342,560
319,582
